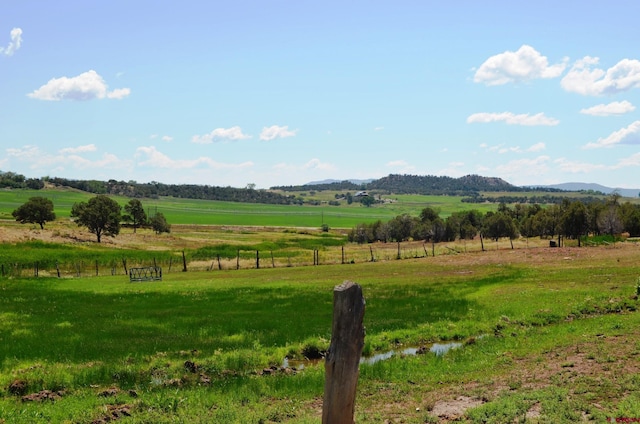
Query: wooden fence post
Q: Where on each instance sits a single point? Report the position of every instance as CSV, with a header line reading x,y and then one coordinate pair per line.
x,y
184,262
343,359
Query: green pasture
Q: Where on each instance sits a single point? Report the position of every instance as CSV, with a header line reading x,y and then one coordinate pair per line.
x,y
191,348
205,212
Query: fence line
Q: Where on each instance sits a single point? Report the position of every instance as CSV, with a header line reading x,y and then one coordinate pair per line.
x,y
252,259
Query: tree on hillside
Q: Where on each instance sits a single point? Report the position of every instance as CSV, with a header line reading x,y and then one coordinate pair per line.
x,y
37,210
101,215
575,221
160,224
135,213
499,224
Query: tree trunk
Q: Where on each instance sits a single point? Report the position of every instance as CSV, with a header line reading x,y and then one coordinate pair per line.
x,y
343,358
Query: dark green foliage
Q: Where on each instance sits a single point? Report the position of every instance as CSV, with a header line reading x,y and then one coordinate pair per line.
x,y
497,225
101,215
38,210
135,214
159,223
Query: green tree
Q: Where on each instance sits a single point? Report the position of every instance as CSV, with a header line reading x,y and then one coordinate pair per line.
x,y
135,214
575,221
159,223
37,210
101,215
498,225
367,201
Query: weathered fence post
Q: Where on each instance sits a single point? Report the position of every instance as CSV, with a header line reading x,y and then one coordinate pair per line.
x,y
184,262
257,259
342,255
343,359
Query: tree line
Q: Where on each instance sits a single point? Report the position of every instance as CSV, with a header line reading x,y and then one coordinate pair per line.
x,y
101,215
572,219
423,184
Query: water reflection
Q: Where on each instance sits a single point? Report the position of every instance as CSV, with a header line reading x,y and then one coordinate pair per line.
x,y
438,349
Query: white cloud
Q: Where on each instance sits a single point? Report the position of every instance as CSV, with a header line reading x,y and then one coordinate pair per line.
x,y
633,160
401,166
537,147
577,167
66,158
233,133
79,149
522,167
588,81
613,108
513,119
317,164
275,131
523,65
378,128
628,135
14,44
86,86
167,138
149,156
500,148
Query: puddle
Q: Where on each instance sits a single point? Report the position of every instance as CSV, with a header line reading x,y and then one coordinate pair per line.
x,y
438,349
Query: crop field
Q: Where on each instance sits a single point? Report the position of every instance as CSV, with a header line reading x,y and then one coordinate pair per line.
x,y
544,335
206,212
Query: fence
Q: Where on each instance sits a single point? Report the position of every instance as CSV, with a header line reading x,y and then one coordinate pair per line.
x,y
244,259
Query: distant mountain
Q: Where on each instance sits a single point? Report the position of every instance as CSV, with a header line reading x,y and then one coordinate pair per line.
x,y
414,184
624,192
430,184
353,181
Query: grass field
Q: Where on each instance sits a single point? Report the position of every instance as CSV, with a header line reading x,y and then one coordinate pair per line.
x,y
205,212
549,335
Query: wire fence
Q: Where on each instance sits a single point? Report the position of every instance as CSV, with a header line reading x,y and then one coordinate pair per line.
x,y
181,261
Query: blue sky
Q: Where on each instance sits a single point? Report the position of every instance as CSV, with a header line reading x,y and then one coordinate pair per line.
x,y
287,92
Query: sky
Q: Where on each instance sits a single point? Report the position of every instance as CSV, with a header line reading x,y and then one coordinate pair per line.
x,y
231,93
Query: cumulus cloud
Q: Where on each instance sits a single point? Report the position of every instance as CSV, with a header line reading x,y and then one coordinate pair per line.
x,y
86,86
628,135
79,149
275,131
523,65
167,138
537,147
233,133
586,79
633,160
513,119
613,108
521,167
66,158
574,167
14,44
151,157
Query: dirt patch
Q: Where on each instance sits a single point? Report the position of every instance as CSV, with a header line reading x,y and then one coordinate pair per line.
x,y
114,412
43,395
451,410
